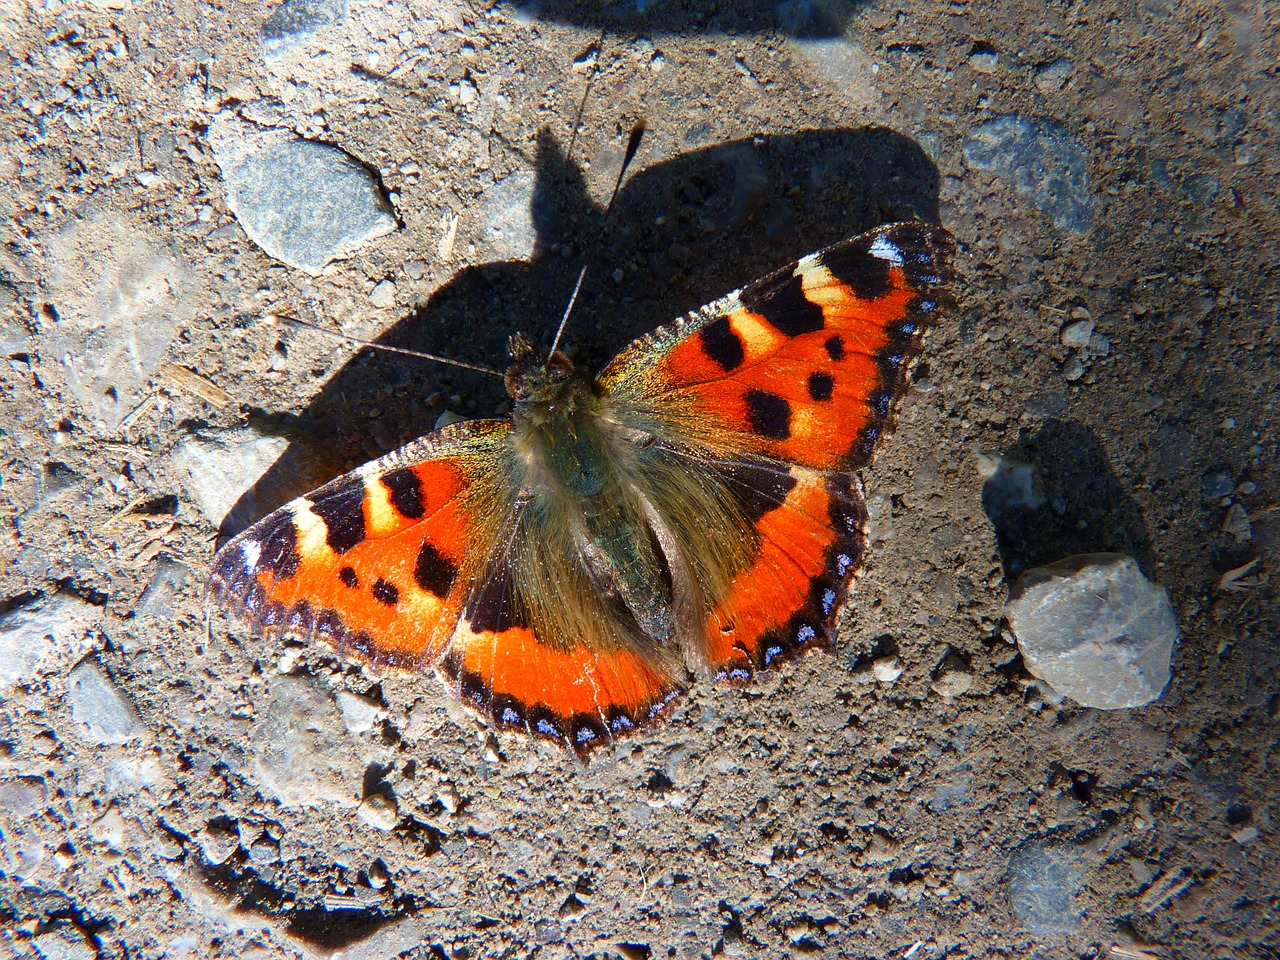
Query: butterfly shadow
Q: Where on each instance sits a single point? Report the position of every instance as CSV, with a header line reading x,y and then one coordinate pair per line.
x,y
1054,495
681,233
800,18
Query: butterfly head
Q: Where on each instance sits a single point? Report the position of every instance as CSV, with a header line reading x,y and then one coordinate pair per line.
x,y
542,383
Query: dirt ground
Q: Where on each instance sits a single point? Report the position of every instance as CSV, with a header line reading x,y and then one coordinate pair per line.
x,y
170,786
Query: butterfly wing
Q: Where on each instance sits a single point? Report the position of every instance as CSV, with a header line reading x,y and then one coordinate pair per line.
x,y
785,387
378,562
404,562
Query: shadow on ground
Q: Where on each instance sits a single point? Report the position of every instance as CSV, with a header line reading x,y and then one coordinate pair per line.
x,y
1055,495
803,18
681,234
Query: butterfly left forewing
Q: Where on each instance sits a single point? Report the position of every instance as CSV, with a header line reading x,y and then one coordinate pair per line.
x,y
378,562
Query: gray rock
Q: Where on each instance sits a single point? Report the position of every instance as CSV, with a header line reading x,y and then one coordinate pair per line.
x,y
122,295
1095,629
304,203
1044,163
34,633
103,712
1077,333
218,466
1044,882
292,24
507,230
298,749
1072,368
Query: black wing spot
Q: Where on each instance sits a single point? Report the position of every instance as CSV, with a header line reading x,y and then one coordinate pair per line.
x,y
783,304
343,514
835,348
279,552
821,386
434,572
493,606
863,273
384,591
406,493
758,489
722,344
348,577
769,414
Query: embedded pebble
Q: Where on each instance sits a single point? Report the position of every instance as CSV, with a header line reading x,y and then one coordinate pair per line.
x,y
383,295
842,62
1054,76
984,58
1042,161
298,750
41,631
220,466
378,811
1044,882
103,712
359,713
1072,369
304,203
293,23
168,579
64,942
218,843
122,294
886,669
507,229
1076,334
952,683
1009,484
1095,629
1215,486
1237,523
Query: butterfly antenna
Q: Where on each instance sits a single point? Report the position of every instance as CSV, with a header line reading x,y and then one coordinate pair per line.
x,y
385,348
633,146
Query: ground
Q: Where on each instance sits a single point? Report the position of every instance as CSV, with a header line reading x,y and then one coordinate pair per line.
x,y
174,787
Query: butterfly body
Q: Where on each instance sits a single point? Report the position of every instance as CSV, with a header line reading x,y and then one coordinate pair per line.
x,y
691,510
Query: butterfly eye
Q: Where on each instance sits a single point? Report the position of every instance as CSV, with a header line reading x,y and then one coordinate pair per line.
x,y
559,367
514,382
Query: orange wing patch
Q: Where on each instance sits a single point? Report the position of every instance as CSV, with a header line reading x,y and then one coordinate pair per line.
x,y
373,563
811,529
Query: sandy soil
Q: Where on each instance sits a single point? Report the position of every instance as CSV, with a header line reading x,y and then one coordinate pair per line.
x,y
189,791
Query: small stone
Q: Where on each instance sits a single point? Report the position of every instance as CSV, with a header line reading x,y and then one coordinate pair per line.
x,y
1072,369
1245,835
1095,629
1076,334
99,706
292,24
304,203
358,713
378,811
842,62
42,631
983,58
1215,486
1054,76
1044,884
886,669
952,683
506,218
383,295
218,842
122,294
168,579
449,798
1248,488
1044,163
415,269
64,942
1009,485
299,751
1099,345
1237,523
264,851
1245,154
220,466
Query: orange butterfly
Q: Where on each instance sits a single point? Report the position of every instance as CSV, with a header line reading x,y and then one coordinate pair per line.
x,y
692,510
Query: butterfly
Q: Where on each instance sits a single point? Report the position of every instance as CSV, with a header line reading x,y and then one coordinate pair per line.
x,y
691,511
